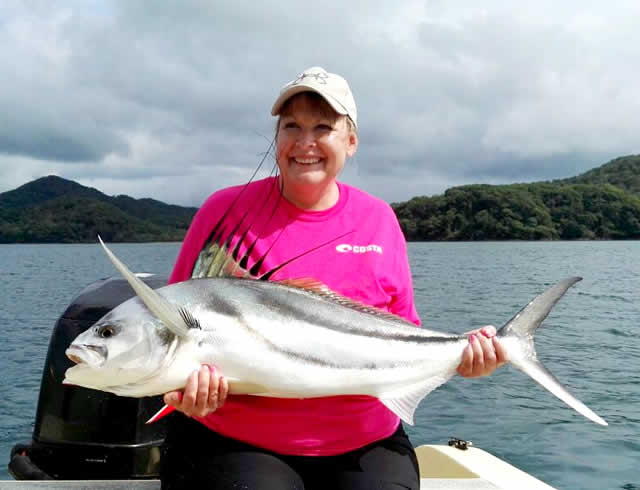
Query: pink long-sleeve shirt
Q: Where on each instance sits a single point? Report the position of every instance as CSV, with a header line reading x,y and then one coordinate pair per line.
x,y
368,263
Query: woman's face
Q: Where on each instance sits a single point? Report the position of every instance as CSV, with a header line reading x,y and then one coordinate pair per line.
x,y
312,145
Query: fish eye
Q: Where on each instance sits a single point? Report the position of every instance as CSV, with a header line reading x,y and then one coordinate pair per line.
x,y
106,331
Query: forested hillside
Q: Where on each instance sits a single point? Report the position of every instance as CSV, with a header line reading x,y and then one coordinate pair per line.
x,y
603,203
56,210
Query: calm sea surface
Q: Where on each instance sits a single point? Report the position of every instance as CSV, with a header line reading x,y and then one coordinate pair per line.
x,y
588,342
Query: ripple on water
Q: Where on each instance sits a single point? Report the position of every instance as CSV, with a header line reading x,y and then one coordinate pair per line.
x,y
618,332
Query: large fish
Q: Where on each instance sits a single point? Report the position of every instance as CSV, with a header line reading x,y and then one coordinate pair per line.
x,y
293,339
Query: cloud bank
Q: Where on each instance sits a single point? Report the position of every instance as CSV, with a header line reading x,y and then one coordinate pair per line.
x,y
171,100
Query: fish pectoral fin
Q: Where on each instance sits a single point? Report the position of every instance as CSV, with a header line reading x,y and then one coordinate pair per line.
x,y
403,402
174,318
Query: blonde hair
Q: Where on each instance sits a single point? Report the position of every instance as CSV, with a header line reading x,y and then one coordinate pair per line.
x,y
318,106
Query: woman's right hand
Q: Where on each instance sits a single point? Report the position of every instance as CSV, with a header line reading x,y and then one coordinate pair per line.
x,y
204,393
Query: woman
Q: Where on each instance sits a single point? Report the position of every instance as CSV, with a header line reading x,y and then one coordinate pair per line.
x,y
337,442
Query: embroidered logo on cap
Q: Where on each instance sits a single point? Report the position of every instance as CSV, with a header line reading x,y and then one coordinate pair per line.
x,y
320,77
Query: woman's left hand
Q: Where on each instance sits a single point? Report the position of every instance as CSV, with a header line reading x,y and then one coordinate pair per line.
x,y
483,355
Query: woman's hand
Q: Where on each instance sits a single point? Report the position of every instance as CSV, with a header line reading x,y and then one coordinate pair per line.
x,y
483,355
205,392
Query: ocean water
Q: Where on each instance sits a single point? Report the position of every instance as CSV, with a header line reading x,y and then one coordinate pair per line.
x,y
587,342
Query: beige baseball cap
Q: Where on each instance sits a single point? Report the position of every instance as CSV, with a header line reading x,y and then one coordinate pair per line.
x,y
332,87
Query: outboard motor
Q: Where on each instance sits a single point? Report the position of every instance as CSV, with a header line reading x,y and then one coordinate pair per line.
x,y
84,434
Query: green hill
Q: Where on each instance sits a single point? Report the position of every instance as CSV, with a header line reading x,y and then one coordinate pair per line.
x,y
603,203
623,172
46,189
55,210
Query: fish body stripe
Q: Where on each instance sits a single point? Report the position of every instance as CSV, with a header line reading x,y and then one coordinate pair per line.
x,y
281,310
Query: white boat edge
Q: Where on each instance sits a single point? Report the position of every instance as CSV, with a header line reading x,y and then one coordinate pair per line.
x,y
451,468
441,467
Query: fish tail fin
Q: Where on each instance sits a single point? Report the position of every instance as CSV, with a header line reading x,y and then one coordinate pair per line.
x,y
164,411
522,352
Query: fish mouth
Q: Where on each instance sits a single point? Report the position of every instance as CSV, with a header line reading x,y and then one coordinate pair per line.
x,y
75,359
93,355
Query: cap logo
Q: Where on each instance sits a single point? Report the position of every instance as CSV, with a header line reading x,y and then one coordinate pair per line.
x,y
320,78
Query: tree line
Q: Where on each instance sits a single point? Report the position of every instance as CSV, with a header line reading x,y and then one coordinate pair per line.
x,y
603,203
56,210
539,211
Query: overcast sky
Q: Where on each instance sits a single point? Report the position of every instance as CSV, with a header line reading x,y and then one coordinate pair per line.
x,y
171,99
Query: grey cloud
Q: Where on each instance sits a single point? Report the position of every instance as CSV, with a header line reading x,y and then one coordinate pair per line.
x,y
448,93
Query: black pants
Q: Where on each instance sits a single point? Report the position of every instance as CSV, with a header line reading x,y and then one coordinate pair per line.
x,y
195,457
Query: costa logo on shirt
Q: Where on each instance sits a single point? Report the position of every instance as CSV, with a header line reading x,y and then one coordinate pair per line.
x,y
358,249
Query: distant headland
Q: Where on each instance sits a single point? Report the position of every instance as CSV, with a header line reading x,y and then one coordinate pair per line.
x,y
601,204
56,210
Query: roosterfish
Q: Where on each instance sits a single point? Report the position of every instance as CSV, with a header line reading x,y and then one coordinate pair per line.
x,y
287,339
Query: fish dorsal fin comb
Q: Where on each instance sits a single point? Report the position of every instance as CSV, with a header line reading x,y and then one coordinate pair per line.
x,y
217,262
267,275
220,255
322,290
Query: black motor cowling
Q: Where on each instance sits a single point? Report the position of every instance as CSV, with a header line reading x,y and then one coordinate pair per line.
x,y
87,434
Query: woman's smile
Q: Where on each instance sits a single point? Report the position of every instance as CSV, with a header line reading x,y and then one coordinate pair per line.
x,y
305,161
